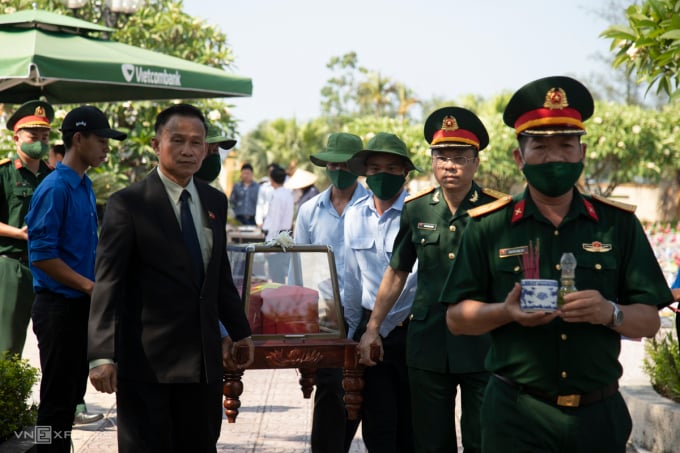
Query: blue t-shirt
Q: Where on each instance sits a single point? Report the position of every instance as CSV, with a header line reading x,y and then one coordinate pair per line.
x,y
62,223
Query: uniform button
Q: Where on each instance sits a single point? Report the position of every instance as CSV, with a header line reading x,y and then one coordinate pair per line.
x,y
564,337
452,228
556,233
410,317
422,241
558,267
452,255
516,269
598,266
564,374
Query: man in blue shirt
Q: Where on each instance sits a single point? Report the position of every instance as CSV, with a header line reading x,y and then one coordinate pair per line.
x,y
243,197
370,229
321,221
62,231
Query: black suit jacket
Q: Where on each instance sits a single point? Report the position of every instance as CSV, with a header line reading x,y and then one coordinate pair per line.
x,y
147,312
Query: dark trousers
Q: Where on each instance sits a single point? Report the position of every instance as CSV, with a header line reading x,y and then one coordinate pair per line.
x,y
515,422
167,418
16,299
386,408
332,432
60,324
433,400
246,219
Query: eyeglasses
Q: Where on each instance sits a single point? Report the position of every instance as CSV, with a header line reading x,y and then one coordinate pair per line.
x,y
458,161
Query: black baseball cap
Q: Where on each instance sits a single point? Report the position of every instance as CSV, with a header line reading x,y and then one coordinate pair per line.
x,y
88,118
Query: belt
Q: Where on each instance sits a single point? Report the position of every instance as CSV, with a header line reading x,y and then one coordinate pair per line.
x,y
368,312
574,400
21,257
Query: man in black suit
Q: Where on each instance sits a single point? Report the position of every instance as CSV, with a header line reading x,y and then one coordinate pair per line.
x,y
159,294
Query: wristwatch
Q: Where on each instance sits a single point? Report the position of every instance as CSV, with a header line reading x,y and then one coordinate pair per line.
x,y
617,315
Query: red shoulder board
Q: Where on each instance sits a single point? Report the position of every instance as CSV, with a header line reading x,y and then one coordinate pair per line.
x,y
518,211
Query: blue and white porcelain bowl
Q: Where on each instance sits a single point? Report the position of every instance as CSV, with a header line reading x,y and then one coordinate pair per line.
x,y
538,295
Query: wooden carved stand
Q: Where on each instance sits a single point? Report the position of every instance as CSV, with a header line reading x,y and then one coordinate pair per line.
x,y
307,355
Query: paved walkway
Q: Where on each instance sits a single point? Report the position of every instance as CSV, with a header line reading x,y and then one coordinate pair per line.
x,y
273,418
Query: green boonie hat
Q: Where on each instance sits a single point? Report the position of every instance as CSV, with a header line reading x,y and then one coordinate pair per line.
x,y
382,142
215,136
31,114
556,105
340,148
455,127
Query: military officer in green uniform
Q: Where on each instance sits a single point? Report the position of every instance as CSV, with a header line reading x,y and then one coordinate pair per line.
x,y
554,386
19,176
431,227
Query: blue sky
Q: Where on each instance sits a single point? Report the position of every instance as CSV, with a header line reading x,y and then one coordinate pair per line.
x,y
435,47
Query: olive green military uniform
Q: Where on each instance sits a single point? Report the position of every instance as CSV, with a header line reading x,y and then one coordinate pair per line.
x,y
538,364
439,361
17,184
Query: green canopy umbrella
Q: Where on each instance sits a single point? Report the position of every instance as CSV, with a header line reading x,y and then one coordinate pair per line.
x,y
50,55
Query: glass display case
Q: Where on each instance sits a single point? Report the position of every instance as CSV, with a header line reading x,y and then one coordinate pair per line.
x,y
292,301
288,295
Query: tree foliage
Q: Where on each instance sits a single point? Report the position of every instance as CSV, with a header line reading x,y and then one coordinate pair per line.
x,y
649,45
161,26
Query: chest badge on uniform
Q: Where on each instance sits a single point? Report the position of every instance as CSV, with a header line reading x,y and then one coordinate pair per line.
x,y
513,251
597,247
427,226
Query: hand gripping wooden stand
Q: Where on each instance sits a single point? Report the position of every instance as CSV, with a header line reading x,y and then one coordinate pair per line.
x,y
293,305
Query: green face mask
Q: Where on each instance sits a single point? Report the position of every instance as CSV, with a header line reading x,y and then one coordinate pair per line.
x,y
385,185
210,168
553,178
340,178
35,150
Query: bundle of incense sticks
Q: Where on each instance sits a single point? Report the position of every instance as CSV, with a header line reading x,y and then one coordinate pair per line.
x,y
529,260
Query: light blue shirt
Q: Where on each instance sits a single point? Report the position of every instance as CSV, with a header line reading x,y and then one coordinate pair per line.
x,y
369,238
319,223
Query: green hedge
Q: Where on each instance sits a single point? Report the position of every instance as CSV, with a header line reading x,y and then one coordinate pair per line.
x,y
17,378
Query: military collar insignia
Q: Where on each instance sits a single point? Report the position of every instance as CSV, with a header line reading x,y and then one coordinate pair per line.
x,y
475,197
590,209
597,247
427,226
556,99
518,211
18,164
435,196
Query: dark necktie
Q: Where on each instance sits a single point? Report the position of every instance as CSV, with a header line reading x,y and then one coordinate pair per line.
x,y
189,234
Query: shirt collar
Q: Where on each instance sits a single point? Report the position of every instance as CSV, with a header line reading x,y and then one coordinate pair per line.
x,y
398,205
70,176
174,190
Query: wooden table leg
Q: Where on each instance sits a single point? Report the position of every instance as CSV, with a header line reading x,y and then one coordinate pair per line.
x,y
307,381
353,384
232,389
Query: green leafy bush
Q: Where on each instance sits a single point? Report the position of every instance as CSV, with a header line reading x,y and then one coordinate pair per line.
x,y
662,364
16,381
